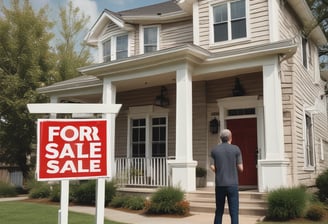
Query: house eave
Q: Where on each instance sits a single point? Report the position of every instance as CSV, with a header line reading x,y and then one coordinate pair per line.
x,y
164,18
71,84
188,52
106,16
309,22
284,49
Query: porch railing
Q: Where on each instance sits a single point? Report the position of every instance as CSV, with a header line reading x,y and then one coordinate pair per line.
x,y
142,171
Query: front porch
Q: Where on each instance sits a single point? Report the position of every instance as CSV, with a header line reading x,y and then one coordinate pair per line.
x,y
142,172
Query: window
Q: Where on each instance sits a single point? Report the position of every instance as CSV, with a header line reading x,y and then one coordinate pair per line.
x,y
229,21
138,137
115,48
159,137
155,144
107,51
309,148
305,52
122,47
150,39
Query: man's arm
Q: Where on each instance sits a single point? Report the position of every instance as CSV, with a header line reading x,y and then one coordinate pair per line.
x,y
213,168
240,167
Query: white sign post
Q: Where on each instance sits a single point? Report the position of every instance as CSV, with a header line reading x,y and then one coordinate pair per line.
x,y
79,163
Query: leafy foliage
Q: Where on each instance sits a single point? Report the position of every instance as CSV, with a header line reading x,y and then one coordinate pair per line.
x,y
70,54
85,193
129,202
322,185
315,212
320,10
40,190
167,200
287,203
6,190
25,64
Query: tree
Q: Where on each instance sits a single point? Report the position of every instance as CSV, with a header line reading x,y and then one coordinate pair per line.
x,y
319,9
25,64
71,53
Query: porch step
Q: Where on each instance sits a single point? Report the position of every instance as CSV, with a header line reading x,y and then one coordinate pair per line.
x,y
250,203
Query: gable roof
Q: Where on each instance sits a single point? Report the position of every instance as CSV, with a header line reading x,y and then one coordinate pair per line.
x,y
164,12
152,10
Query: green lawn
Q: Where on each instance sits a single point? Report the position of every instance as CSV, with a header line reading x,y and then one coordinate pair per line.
x,y
296,222
19,212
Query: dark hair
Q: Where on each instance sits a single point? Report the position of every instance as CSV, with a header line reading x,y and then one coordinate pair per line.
x,y
225,135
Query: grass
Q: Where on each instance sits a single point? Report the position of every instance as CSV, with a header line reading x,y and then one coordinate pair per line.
x,y
18,212
295,222
299,221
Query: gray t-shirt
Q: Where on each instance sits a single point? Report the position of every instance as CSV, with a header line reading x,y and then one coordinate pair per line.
x,y
226,157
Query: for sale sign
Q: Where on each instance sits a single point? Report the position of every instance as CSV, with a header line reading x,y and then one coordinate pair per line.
x,y
72,149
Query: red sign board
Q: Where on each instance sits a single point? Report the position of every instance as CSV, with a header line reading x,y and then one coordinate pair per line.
x,y
72,149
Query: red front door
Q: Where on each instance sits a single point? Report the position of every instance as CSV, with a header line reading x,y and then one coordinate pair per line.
x,y
244,134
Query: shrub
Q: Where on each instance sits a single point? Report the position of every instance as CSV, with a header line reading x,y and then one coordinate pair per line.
x,y
40,190
315,212
130,202
119,201
201,172
55,193
135,203
322,185
166,200
6,190
183,207
85,193
286,203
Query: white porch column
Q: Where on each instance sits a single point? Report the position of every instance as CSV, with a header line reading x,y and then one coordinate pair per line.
x,y
273,167
109,97
183,167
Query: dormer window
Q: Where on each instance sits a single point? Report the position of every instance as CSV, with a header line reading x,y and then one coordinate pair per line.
x,y
122,47
229,21
149,39
115,47
107,51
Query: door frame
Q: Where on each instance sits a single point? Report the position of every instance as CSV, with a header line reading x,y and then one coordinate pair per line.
x,y
242,102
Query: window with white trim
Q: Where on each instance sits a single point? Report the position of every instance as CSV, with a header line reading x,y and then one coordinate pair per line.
x,y
229,21
149,136
138,130
309,158
159,137
122,47
107,50
150,39
115,47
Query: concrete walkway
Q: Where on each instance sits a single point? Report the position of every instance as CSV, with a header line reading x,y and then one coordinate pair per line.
x,y
134,218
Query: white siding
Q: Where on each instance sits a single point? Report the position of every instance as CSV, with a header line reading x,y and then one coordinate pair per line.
x,y
258,22
175,34
301,88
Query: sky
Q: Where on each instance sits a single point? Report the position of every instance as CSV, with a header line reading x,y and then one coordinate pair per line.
x,y
92,8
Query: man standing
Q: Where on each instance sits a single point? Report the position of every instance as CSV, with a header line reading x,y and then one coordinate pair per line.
x,y
227,161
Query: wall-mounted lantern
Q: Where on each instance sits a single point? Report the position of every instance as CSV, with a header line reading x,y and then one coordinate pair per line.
x,y
162,100
214,126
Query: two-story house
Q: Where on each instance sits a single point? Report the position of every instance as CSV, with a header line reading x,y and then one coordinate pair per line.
x,y
184,70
